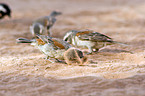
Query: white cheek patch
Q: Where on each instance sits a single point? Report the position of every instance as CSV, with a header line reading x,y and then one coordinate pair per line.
x,y
31,30
41,29
2,9
67,35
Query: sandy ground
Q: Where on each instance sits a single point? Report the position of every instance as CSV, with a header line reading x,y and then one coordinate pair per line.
x,y
119,71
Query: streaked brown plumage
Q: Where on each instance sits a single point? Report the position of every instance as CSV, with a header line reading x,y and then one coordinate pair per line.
x,y
88,39
51,47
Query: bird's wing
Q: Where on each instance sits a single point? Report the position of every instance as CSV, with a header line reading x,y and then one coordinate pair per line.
x,y
42,20
58,44
93,36
61,43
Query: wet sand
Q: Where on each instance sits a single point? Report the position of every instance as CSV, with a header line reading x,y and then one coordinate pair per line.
x,y
118,71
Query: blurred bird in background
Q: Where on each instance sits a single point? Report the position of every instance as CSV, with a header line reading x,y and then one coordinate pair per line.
x,y
4,10
44,24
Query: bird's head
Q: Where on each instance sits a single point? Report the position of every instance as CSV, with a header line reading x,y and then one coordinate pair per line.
x,y
69,35
55,13
5,9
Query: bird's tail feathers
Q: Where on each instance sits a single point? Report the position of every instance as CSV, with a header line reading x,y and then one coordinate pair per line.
x,y
24,40
119,43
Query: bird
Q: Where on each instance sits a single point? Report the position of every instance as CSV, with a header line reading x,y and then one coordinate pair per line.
x,y
51,47
88,39
37,29
4,10
43,25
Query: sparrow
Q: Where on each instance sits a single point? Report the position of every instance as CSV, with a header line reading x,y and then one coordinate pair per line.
x,y
88,39
43,25
51,47
37,29
4,10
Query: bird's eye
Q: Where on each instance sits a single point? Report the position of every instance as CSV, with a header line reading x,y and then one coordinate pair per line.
x,y
66,39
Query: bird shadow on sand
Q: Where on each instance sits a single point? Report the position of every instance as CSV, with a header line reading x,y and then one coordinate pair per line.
x,y
115,50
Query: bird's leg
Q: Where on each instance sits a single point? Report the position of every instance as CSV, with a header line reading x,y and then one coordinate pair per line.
x,y
59,61
89,53
90,50
47,58
48,32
